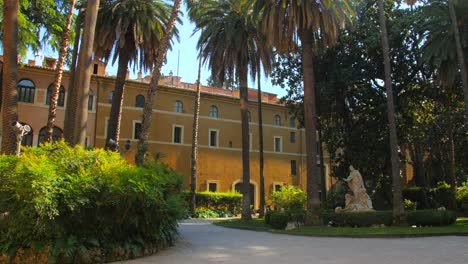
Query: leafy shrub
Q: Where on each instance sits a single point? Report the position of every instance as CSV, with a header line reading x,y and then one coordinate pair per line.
x,y
358,219
267,217
462,197
224,203
296,215
442,194
431,217
82,204
410,205
208,213
336,196
289,197
278,220
415,194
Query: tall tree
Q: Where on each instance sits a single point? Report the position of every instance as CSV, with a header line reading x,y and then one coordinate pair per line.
x,y
132,29
77,124
229,43
58,79
306,22
460,56
156,74
398,209
10,76
260,148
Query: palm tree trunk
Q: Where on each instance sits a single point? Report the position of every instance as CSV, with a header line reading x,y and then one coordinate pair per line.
x,y
460,56
196,113
310,115
70,109
398,210
323,181
260,146
113,129
244,108
148,109
83,70
10,76
58,79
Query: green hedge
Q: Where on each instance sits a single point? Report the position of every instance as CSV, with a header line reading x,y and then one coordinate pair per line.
x,y
86,205
278,220
462,197
441,195
431,217
223,203
366,219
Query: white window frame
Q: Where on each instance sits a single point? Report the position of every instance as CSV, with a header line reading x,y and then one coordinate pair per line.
x,y
280,145
105,126
216,112
275,119
176,109
273,186
181,134
212,181
134,126
250,141
217,137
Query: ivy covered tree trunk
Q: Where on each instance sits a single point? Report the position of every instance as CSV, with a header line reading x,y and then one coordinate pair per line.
x,y
398,209
196,119
10,76
148,109
58,79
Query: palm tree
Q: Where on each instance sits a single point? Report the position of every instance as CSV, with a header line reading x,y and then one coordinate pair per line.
x,y
398,209
460,56
77,124
10,76
229,43
260,148
131,29
156,74
58,79
305,21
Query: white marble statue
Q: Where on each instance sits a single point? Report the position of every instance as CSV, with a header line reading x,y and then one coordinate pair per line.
x,y
359,201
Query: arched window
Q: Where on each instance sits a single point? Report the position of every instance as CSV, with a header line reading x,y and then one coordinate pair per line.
x,y
61,97
178,107
90,100
292,122
57,134
249,116
140,101
277,120
213,111
111,95
26,90
27,139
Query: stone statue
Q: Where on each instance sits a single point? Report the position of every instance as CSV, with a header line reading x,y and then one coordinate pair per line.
x,y
359,201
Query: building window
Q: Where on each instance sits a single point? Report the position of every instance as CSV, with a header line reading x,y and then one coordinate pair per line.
x,y
57,134
277,187
277,120
140,101
292,122
61,97
136,129
178,107
213,137
26,90
212,187
230,144
177,134
277,144
293,168
111,95
213,111
90,100
27,139
292,137
95,68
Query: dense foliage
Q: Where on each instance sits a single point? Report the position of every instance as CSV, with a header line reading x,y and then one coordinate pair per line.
x,y
289,197
216,204
278,220
79,203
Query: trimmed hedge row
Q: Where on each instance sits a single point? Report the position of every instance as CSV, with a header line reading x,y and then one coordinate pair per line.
x,y
86,206
367,219
229,203
435,197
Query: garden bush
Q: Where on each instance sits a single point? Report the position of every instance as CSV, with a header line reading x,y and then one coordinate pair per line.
x,y
442,194
278,220
267,217
414,194
431,217
358,219
86,206
221,203
462,197
289,197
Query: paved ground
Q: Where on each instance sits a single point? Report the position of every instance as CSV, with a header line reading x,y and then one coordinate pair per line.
x,y
204,243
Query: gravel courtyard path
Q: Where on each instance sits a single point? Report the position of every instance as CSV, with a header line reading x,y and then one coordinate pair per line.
x,y
203,243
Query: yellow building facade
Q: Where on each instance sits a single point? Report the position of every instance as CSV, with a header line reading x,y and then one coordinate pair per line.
x,y
220,160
